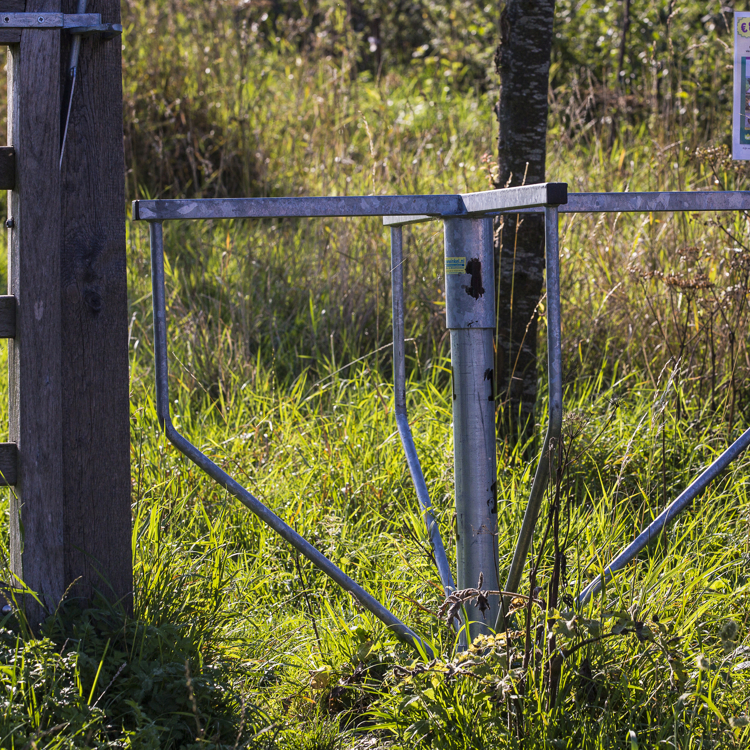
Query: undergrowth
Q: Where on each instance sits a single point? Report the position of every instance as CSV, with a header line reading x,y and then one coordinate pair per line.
x,y
280,372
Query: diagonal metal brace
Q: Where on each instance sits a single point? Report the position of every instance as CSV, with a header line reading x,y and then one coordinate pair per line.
x,y
265,514
402,418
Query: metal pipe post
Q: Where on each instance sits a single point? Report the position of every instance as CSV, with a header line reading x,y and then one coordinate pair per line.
x,y
246,498
470,317
402,419
554,429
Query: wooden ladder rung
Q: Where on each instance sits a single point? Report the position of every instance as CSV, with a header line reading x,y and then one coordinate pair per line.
x,y
8,464
7,316
7,168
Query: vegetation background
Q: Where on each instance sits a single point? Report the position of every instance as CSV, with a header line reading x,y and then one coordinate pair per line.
x,y
279,354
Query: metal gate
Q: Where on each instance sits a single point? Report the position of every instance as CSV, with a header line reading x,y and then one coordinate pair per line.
x,y
469,295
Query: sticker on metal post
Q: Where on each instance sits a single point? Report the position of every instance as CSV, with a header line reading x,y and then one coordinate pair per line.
x,y
455,265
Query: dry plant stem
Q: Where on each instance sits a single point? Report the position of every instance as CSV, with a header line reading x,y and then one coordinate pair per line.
x,y
528,644
307,601
454,603
243,713
193,702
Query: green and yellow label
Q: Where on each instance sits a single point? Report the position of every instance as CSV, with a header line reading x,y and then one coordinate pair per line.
x,y
743,26
455,265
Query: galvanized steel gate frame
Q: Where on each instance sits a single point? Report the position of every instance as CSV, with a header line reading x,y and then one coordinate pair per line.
x,y
470,297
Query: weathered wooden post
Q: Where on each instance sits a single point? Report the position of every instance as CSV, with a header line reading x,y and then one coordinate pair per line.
x,y
68,371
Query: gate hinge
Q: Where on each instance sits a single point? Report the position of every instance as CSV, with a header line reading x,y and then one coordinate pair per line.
x,y
84,24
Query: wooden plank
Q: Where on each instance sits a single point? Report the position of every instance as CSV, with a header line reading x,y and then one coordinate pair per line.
x,y
17,6
8,464
10,36
96,408
7,316
13,36
35,408
7,168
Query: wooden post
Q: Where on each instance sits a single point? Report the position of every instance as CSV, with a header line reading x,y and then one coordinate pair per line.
x,y
94,327
69,401
34,364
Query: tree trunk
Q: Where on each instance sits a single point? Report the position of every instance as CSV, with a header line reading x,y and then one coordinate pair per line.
x,y
522,61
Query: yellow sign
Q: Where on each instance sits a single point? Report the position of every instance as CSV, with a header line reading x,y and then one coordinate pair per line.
x,y
743,27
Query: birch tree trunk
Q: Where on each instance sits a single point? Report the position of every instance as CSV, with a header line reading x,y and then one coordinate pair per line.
x,y
522,61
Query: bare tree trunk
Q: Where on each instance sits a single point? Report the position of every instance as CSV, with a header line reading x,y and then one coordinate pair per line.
x,y
522,61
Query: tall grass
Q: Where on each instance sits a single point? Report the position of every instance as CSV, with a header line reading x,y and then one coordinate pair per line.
x,y
279,361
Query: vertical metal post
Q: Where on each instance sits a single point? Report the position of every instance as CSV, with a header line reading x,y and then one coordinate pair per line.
x,y
554,429
402,420
470,317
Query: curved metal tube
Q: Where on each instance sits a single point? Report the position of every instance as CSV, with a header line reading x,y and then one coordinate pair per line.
x,y
265,514
402,420
668,514
554,429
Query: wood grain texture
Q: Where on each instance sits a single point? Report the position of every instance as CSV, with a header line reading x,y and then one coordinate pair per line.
x,y
96,409
13,36
8,464
7,168
7,316
10,36
35,402
17,6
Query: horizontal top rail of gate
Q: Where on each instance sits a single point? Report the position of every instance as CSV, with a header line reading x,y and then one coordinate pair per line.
x,y
585,203
709,200
407,206
408,209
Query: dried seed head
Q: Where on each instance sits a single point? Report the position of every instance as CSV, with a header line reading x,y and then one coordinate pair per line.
x,y
729,631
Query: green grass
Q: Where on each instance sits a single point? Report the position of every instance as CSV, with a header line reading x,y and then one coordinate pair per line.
x,y
280,371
